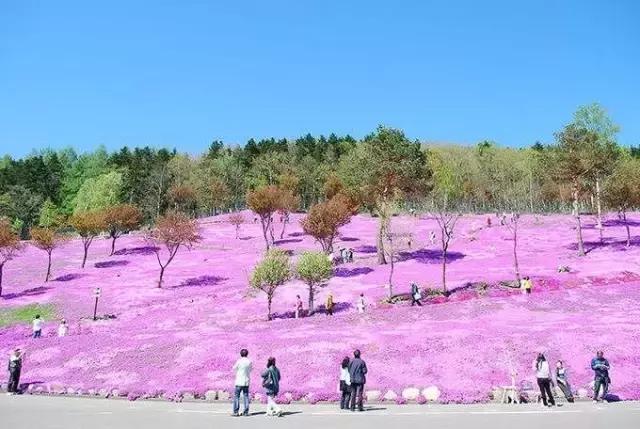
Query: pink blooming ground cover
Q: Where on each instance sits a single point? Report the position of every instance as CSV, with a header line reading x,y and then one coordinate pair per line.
x,y
186,336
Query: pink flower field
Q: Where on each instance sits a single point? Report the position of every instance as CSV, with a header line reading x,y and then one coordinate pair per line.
x,y
185,337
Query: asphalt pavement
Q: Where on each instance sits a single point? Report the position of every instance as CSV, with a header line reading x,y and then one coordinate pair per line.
x,y
49,412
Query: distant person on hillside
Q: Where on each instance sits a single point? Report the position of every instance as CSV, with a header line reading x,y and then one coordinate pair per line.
x,y
345,384
14,367
298,307
63,328
36,325
562,380
543,376
488,222
350,255
526,285
361,304
357,377
343,255
416,296
329,304
271,384
432,237
600,367
242,369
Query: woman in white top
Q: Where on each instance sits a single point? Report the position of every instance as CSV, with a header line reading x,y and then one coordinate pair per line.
x,y
63,328
345,384
543,375
361,304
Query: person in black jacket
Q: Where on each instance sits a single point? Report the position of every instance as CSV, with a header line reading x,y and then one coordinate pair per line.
x,y
357,375
600,367
14,367
416,296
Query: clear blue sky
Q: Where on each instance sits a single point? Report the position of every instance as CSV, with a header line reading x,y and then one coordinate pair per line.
x,y
182,73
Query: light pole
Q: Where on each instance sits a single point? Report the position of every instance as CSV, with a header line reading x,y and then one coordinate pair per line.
x,y
96,294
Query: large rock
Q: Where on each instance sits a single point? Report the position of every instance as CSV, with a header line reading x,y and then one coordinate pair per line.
x,y
210,395
390,396
431,393
411,393
372,395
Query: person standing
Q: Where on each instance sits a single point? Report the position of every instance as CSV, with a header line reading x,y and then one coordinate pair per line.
x,y
14,367
242,369
271,383
37,326
416,296
63,328
357,377
298,307
329,304
345,384
526,285
361,304
562,380
543,376
600,367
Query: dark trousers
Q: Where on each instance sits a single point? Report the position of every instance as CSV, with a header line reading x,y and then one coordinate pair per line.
x,y
37,334
415,301
600,381
346,395
357,391
566,391
14,381
245,398
545,391
330,311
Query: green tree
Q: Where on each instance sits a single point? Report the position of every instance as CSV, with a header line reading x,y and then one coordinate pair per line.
x,y
594,118
271,273
50,216
575,164
315,269
622,190
99,193
385,169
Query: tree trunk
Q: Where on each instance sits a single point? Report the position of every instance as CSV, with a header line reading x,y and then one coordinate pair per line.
x,y
84,257
576,211
269,298
626,225
515,250
273,240
311,299
237,231
599,208
46,279
1,268
113,246
161,275
444,269
391,275
265,227
531,192
284,225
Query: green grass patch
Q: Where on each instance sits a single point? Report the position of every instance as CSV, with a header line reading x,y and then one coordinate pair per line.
x,y
26,313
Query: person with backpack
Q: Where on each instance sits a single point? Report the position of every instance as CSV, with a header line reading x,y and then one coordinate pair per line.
x,y
416,296
345,384
242,369
271,384
543,376
357,377
600,367
14,367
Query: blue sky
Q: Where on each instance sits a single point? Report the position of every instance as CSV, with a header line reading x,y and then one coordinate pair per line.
x,y
180,74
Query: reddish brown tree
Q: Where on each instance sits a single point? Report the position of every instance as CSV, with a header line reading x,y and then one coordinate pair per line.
x,y
121,219
10,245
289,203
88,225
183,197
265,201
324,220
47,239
236,219
171,232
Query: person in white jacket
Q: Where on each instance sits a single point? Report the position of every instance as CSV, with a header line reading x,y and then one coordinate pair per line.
x,y
345,384
242,369
543,376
